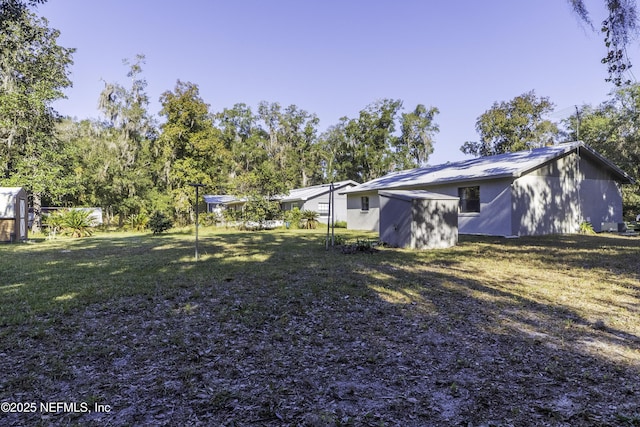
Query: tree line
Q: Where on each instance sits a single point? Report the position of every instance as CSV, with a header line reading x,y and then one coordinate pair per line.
x,y
612,128
130,162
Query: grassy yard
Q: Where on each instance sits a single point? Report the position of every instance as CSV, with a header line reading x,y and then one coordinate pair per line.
x,y
269,328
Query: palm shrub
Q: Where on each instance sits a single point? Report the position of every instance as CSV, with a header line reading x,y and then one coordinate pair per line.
x,y
138,222
310,219
77,223
159,222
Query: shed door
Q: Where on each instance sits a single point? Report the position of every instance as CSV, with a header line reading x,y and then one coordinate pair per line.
x,y
23,219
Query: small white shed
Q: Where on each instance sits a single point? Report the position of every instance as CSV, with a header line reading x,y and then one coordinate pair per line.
x,y
13,214
418,219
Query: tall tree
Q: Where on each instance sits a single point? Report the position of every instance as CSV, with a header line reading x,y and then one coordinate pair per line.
x,y
33,74
515,125
334,159
298,132
370,139
129,133
416,142
190,148
612,129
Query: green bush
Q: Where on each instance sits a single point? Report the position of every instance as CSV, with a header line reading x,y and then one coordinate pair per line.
x,y
53,221
340,224
586,228
159,222
293,218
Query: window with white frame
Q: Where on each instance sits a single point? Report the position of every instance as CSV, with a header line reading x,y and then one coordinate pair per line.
x,y
323,209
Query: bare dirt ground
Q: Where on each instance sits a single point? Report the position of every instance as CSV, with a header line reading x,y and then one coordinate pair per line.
x,y
382,339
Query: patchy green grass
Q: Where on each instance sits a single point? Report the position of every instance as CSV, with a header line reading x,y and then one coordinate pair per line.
x,y
269,328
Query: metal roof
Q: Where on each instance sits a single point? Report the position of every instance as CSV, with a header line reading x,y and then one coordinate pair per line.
x,y
218,199
8,201
509,165
297,194
303,194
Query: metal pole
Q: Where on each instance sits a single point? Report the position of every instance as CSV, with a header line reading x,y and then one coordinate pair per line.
x,y
333,216
328,220
197,186
197,221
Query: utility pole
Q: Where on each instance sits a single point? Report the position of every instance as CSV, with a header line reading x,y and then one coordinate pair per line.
x,y
577,124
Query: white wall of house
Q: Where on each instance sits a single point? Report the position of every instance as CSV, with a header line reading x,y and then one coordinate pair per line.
x,y
546,201
545,205
494,217
559,196
600,195
359,219
320,204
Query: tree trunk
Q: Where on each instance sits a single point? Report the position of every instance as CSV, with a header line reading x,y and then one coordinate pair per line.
x,y
36,227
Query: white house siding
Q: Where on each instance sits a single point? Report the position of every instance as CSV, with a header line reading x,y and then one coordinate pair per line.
x,y
494,217
310,198
600,195
339,207
357,219
557,197
602,202
545,205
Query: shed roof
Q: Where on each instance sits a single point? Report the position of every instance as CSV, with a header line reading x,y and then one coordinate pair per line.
x,y
409,195
7,201
509,165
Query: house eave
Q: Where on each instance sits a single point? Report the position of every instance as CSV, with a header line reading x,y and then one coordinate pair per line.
x,y
433,183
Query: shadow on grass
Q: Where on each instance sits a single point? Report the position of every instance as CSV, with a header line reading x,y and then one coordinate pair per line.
x,y
269,328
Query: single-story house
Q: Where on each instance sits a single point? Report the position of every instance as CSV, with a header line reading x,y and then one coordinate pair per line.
x,y
316,198
216,203
548,190
14,214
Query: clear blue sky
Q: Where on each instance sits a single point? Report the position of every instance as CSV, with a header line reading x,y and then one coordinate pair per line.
x,y
334,57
